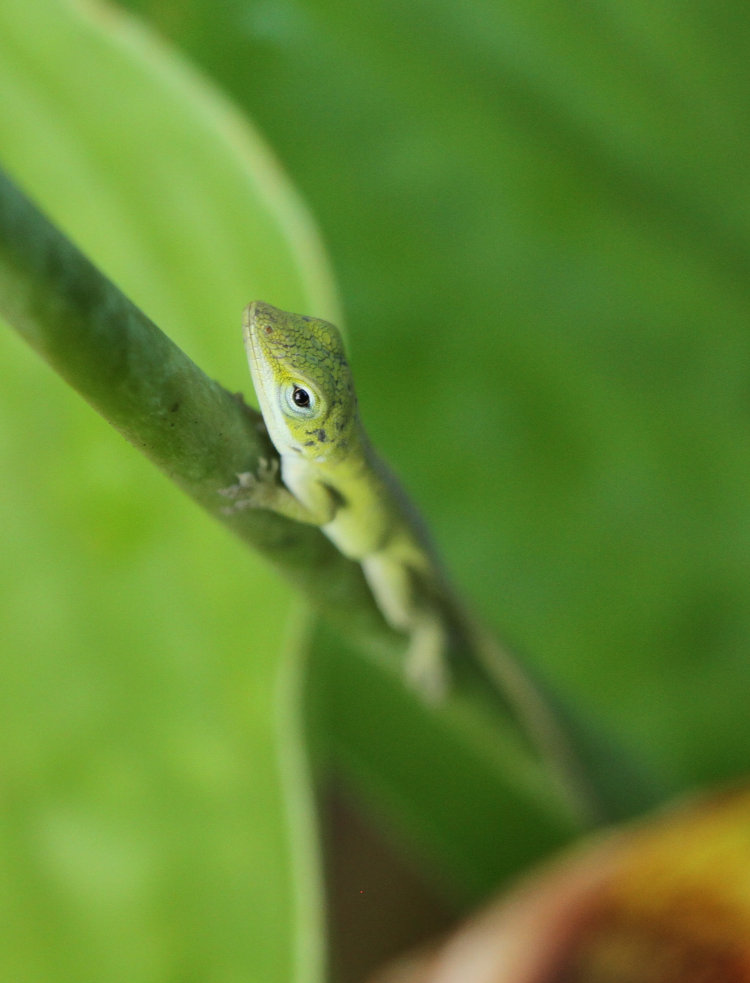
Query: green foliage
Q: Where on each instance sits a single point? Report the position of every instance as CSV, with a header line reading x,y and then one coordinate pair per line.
x,y
538,219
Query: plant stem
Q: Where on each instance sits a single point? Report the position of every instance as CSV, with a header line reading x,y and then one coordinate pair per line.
x,y
194,430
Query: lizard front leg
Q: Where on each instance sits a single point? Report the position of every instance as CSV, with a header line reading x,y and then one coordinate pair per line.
x,y
263,490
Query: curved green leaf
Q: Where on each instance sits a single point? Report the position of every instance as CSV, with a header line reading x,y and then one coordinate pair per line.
x,y
144,833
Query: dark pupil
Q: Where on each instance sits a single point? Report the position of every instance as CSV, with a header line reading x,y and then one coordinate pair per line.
x,y
301,397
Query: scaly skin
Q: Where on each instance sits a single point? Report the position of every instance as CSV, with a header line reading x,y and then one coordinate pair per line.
x,y
333,478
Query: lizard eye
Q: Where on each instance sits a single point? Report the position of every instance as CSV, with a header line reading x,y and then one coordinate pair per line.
x,y
300,400
300,397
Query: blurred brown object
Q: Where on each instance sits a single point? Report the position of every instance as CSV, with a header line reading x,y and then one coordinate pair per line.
x,y
667,901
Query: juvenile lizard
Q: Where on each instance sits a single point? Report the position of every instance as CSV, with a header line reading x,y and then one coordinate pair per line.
x,y
333,478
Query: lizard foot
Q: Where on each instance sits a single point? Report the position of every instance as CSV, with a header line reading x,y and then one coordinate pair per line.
x,y
425,669
254,490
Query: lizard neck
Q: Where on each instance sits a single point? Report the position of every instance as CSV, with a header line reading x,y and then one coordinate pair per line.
x,y
338,452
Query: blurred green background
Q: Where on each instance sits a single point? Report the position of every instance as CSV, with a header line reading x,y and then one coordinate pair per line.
x,y
538,217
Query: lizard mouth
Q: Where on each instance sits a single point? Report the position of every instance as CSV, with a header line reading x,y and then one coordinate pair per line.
x,y
256,357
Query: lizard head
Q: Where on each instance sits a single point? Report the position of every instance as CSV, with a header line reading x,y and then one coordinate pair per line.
x,y
303,382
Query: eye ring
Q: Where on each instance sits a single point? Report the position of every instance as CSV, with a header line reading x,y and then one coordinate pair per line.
x,y
300,400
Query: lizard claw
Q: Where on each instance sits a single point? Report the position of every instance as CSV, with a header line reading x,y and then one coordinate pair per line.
x,y
252,488
267,470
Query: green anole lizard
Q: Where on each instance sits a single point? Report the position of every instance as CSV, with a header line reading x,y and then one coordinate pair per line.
x,y
333,478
